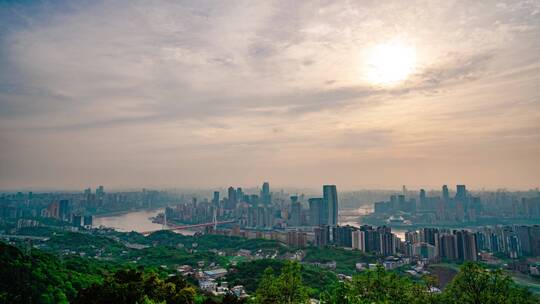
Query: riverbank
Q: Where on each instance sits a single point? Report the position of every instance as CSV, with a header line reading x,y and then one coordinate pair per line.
x,y
123,212
138,220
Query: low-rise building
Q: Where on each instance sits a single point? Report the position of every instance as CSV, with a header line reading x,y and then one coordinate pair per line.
x,y
215,273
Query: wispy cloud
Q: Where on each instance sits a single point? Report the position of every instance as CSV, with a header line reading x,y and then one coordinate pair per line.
x,y
222,82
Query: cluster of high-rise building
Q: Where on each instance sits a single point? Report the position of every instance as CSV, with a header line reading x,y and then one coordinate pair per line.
x,y
324,210
191,213
298,220
74,208
260,210
63,210
365,238
435,243
438,207
249,210
100,199
526,208
514,241
462,208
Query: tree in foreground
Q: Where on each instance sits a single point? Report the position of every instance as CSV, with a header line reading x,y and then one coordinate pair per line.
x,y
475,284
131,286
378,286
287,288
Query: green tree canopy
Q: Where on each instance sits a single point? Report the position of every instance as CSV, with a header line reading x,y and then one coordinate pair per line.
x,y
287,288
475,284
131,286
378,286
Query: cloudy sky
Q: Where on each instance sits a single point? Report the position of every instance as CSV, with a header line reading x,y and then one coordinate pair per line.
x,y
363,94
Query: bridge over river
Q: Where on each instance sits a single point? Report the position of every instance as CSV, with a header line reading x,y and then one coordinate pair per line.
x,y
170,227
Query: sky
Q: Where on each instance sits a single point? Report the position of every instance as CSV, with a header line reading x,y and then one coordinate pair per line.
x,y
361,94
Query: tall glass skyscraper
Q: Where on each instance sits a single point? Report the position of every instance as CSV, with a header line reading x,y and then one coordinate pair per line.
x,y
445,193
266,197
315,211
330,205
461,193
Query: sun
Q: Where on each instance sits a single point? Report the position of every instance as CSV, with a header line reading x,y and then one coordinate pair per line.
x,y
390,63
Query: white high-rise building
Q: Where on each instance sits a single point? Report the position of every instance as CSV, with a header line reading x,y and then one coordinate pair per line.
x,y
359,240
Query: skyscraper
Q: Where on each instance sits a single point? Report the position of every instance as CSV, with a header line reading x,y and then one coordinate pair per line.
x,y
387,241
76,220
231,199
296,212
424,250
343,236
239,194
445,193
64,209
358,240
429,235
265,194
315,211
322,236
448,246
461,193
371,238
330,202
466,245
53,210
422,197
100,192
88,219
524,235
215,200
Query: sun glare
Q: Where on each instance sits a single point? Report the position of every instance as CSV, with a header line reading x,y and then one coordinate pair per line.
x,y
390,63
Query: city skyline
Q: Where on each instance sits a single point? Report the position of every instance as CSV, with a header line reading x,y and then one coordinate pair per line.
x,y
363,95
254,187
206,151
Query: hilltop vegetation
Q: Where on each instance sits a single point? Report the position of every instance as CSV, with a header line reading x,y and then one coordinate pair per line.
x,y
345,259
473,285
250,274
106,268
37,277
131,286
203,242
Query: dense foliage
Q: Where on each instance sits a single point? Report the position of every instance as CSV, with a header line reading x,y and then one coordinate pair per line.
x,y
203,242
473,285
249,275
131,286
285,288
111,272
345,259
37,277
379,286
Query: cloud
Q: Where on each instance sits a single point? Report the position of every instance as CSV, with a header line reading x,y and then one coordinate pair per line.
x,y
271,80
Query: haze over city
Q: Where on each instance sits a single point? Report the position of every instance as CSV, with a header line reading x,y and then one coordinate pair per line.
x,y
361,94
261,152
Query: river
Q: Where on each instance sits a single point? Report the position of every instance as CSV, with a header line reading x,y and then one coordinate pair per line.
x,y
351,216
138,221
